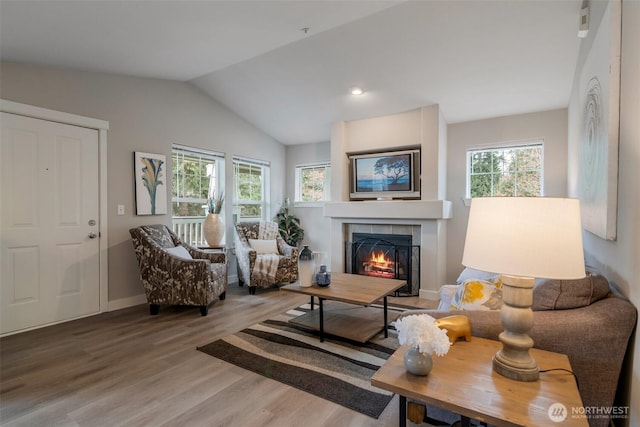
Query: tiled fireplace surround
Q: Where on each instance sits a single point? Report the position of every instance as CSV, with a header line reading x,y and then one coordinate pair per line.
x,y
423,220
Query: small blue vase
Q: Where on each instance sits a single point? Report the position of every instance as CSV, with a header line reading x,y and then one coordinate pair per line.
x,y
323,277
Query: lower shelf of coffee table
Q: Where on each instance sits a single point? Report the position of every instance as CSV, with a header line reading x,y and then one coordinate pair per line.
x,y
357,323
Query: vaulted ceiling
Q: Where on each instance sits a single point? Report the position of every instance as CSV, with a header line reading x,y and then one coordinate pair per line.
x,y
476,59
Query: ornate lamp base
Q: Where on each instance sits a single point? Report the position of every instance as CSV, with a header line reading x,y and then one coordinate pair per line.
x,y
507,369
514,360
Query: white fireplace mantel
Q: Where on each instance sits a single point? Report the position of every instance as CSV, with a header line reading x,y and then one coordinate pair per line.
x,y
390,209
428,215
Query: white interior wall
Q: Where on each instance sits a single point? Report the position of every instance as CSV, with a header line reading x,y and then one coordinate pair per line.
x,y
316,226
144,115
618,260
416,127
548,125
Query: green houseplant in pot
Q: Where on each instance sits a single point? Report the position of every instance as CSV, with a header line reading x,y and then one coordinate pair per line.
x,y
288,224
213,226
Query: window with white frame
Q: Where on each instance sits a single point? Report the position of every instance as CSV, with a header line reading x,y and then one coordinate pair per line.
x,y
197,175
515,170
250,189
313,182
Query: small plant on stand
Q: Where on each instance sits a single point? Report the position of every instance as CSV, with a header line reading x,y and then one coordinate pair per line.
x,y
214,204
288,224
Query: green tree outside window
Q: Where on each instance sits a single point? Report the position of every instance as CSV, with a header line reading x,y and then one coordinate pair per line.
x,y
510,171
312,182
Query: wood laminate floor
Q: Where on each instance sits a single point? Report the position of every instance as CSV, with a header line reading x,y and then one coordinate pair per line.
x,y
127,368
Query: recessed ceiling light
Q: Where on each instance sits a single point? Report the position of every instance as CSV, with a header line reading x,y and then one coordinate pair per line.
x,y
356,90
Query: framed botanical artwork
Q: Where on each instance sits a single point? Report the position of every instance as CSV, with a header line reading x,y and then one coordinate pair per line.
x,y
598,148
151,188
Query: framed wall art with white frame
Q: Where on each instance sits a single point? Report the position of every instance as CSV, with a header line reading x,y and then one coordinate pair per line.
x,y
151,188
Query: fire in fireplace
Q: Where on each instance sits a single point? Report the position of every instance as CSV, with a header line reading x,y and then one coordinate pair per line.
x,y
389,256
380,265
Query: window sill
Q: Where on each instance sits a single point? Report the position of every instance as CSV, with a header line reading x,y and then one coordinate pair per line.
x,y
309,204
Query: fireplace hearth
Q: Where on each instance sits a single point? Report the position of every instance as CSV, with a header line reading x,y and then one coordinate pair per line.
x,y
391,256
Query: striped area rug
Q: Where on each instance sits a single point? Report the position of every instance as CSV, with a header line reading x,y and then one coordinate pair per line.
x,y
337,370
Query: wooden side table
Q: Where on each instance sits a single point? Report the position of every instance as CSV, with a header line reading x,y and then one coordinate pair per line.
x,y
463,381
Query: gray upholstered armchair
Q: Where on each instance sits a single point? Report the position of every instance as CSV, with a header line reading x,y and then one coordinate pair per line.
x,y
175,273
264,258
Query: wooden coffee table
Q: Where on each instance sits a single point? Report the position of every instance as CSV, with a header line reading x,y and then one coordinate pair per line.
x,y
344,320
463,381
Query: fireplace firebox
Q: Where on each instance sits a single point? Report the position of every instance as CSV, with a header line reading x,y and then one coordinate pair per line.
x,y
391,256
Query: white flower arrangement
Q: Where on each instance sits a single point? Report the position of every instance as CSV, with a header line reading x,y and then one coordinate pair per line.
x,y
420,331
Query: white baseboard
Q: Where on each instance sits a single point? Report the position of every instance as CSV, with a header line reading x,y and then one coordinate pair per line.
x,y
126,302
431,295
44,325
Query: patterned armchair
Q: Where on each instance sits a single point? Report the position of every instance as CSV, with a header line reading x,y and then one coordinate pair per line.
x,y
264,258
175,273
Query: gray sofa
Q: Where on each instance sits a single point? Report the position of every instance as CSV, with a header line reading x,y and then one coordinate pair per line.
x,y
583,319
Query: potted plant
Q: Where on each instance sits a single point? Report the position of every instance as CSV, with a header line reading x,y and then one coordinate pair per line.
x,y
213,226
214,204
288,224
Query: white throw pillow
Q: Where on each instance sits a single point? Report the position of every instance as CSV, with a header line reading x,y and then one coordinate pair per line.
x,y
264,246
180,252
473,274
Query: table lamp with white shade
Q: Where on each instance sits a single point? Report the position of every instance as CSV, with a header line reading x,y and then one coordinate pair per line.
x,y
523,238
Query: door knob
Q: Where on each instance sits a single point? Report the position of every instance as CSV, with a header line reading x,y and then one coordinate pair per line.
x,y
92,235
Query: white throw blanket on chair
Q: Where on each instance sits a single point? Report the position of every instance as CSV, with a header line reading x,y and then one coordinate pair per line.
x,y
268,230
267,264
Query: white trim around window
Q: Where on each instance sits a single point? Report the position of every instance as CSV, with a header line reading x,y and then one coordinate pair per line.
x,y
502,147
265,190
326,185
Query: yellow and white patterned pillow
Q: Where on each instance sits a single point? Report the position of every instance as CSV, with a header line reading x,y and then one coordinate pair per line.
x,y
478,295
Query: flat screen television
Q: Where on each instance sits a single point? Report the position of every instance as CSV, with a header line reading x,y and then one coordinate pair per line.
x,y
386,175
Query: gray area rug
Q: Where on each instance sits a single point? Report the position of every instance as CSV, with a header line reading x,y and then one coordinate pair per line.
x,y
338,370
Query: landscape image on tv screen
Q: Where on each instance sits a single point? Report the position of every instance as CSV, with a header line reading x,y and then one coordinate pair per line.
x,y
384,173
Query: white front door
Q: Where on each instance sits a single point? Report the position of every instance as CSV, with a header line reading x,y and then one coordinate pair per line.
x,y
49,215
